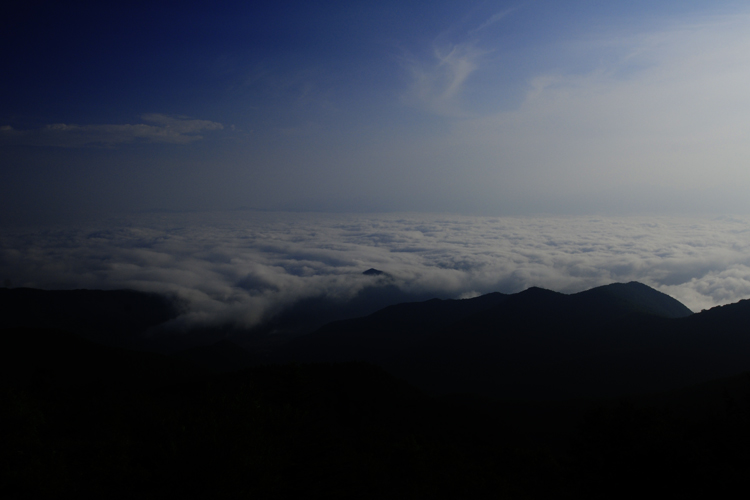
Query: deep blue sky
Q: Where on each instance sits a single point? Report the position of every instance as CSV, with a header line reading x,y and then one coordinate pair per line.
x,y
470,107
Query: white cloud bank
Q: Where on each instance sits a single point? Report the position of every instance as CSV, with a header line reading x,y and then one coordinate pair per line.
x,y
243,267
158,129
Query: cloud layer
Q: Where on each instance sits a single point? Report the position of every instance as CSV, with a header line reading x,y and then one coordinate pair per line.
x,y
243,268
159,128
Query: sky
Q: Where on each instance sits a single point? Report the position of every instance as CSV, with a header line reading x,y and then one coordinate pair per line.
x,y
248,155
475,108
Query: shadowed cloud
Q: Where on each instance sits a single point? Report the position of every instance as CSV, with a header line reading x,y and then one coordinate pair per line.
x,y
244,268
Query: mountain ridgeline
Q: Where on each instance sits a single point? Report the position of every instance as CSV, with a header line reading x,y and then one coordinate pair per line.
x,y
539,344
536,344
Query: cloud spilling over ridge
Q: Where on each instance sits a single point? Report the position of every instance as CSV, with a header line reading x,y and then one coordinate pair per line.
x,y
159,128
245,267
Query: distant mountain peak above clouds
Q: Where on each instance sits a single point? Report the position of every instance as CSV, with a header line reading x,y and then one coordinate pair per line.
x,y
375,272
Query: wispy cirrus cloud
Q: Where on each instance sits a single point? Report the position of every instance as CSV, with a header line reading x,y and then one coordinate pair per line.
x,y
437,81
159,128
436,84
495,18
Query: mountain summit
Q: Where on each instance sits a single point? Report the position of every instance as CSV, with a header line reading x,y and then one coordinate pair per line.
x,y
640,296
374,272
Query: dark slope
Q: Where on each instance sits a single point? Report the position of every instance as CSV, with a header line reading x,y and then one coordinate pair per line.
x,y
690,442
62,360
381,335
536,344
83,419
374,272
91,421
309,314
345,430
535,325
222,356
713,343
111,317
640,297
541,344
134,320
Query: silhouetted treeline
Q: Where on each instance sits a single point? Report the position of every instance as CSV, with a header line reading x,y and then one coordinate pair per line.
x,y
154,426
444,398
312,431
622,450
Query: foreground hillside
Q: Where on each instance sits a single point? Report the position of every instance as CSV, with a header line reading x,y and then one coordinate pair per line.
x,y
112,317
88,420
451,399
536,344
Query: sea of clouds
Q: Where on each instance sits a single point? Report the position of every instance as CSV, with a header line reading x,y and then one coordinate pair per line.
x,y
245,267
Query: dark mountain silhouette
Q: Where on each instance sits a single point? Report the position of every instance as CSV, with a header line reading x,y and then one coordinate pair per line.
x,y
536,344
59,359
79,418
309,314
110,317
639,296
374,272
222,356
377,337
135,320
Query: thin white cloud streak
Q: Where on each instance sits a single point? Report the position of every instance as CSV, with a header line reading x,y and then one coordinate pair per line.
x,y
244,267
436,84
495,18
461,62
162,129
